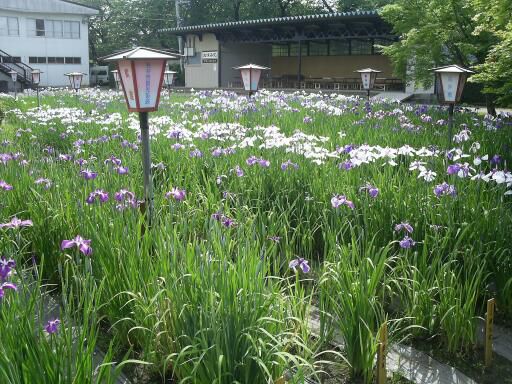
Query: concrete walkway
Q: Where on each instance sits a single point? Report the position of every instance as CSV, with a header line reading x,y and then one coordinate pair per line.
x,y
501,340
410,363
52,311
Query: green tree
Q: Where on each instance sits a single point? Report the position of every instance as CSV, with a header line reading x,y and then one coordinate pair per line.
x,y
496,72
433,33
127,23
361,5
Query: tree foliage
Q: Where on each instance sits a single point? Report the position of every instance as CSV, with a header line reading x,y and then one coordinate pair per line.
x,y
496,72
127,23
432,33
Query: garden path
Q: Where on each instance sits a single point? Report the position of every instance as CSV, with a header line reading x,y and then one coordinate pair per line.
x,y
412,364
51,311
501,341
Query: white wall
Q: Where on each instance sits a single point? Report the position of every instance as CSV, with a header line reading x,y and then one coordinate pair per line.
x,y
197,73
25,46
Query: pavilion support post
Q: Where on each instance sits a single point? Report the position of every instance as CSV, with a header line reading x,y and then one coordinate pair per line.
x,y
299,72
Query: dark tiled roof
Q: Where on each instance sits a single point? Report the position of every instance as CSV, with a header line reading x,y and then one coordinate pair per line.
x,y
276,21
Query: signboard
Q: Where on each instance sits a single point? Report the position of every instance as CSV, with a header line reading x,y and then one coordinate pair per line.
x,y
366,80
141,86
251,78
209,57
450,82
125,71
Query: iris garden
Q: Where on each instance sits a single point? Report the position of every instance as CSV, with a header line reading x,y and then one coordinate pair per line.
x,y
266,209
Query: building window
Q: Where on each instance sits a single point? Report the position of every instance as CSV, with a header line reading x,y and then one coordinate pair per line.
x,y
40,27
71,30
55,60
73,60
10,59
294,49
361,47
318,48
339,48
9,26
64,60
53,28
36,60
279,50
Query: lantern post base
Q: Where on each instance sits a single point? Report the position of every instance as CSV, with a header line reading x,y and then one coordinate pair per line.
x,y
38,100
368,95
146,164
451,107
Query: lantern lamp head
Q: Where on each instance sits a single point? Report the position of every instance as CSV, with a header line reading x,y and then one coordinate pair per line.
x,y
368,77
75,79
14,75
169,77
142,72
251,74
452,79
36,76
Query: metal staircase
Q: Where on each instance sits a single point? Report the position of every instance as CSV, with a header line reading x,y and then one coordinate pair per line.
x,y
8,63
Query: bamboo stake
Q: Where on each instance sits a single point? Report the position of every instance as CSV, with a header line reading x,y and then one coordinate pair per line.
x,y
489,323
381,354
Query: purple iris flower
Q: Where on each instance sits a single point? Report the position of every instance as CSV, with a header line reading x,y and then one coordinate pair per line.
x,y
346,165
264,163
52,326
5,186
239,171
124,194
196,153
113,160
275,239
82,244
338,200
453,169
65,157
177,194
217,216
122,170
46,182
227,222
299,263
407,242
251,160
348,148
177,146
405,226
495,160
307,120
6,267
287,164
445,189
88,175
372,191
17,223
100,194
126,198
7,285
217,152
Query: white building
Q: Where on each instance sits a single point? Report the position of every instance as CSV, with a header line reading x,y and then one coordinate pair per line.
x,y
50,35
